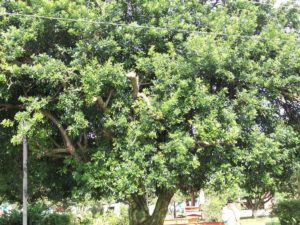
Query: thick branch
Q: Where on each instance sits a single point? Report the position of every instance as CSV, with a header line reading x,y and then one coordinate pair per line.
x,y
65,136
161,208
135,83
213,143
54,153
101,103
11,106
47,114
109,97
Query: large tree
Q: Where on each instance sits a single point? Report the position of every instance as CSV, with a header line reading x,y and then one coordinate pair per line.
x,y
150,97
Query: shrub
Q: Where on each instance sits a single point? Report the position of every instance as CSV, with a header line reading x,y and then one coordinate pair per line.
x,y
57,219
212,210
35,213
37,216
109,218
14,218
288,212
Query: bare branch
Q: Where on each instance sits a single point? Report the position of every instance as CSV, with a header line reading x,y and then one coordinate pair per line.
x,y
47,114
109,97
56,153
100,102
65,136
135,83
11,106
214,143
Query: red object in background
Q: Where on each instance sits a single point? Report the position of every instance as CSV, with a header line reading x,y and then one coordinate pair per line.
x,y
211,223
60,209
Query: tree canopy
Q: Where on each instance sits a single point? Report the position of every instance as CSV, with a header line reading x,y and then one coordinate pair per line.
x,y
145,97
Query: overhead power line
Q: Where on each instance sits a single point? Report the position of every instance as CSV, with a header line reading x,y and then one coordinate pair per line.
x,y
129,25
133,25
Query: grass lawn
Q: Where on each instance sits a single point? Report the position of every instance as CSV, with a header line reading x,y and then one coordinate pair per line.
x,y
260,221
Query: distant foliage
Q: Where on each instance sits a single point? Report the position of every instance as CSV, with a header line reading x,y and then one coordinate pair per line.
x,y
112,219
288,212
57,219
14,218
37,215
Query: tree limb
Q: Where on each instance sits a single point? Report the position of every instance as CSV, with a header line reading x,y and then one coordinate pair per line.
x,y
11,106
67,141
109,97
54,153
65,136
101,103
213,143
135,83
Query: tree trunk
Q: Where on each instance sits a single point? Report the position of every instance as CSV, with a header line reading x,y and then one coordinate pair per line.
x,y
193,198
139,212
255,208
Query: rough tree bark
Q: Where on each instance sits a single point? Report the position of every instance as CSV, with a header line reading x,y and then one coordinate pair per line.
x,y
139,212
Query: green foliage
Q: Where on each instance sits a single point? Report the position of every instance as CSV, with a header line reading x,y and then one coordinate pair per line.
x,y
112,219
207,109
37,215
215,201
212,210
57,219
288,212
14,218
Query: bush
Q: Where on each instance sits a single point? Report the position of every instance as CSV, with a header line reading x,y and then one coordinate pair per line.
x,y
14,218
212,210
109,218
57,219
288,212
35,213
36,216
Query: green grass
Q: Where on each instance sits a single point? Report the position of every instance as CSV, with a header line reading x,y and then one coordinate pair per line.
x,y
260,221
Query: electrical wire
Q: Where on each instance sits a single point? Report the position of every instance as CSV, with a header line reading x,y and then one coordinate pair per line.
x,y
129,25
117,24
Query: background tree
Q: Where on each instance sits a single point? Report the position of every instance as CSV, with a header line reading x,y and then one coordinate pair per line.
x,y
144,110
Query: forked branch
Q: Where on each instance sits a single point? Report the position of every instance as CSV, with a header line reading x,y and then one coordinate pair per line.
x,y
101,103
136,88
